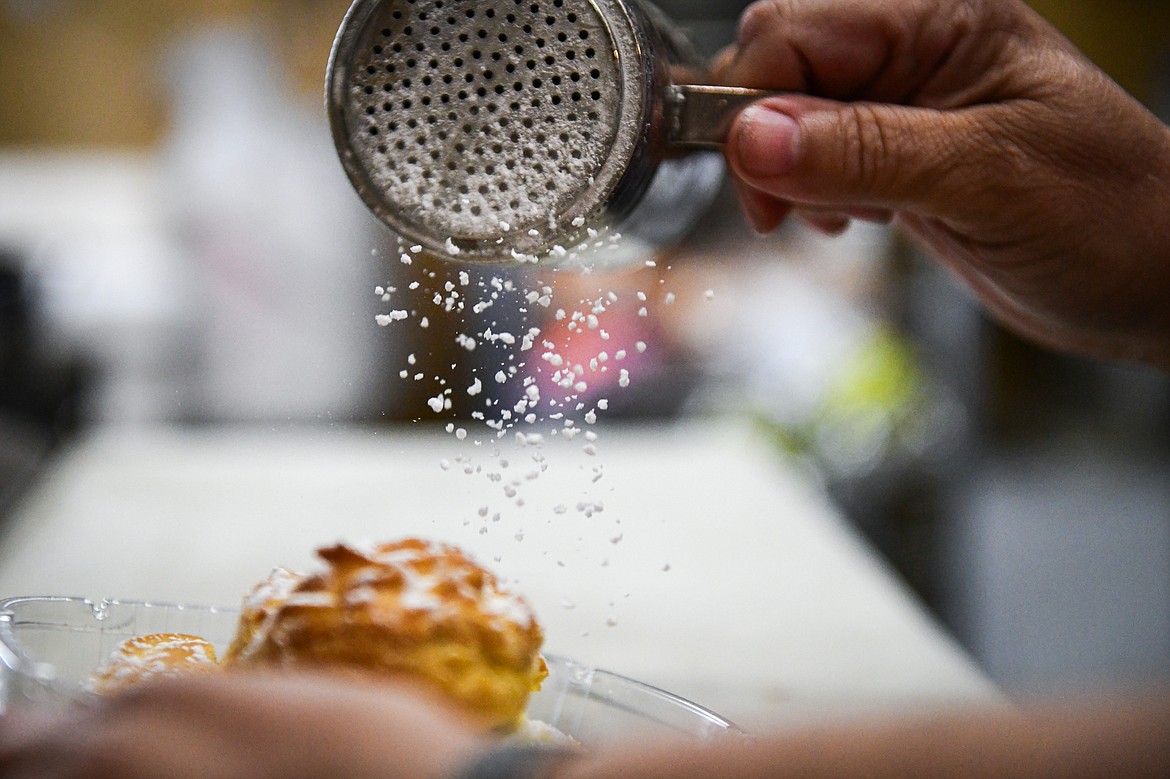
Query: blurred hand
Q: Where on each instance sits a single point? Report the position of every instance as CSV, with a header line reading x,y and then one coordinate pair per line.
x,y
236,725
986,135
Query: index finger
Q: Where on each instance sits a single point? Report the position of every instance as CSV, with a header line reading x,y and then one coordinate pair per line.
x,y
847,49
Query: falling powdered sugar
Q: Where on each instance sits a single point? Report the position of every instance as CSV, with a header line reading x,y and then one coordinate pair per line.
x,y
545,362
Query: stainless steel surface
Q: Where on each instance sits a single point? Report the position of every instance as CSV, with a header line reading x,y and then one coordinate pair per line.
x,y
701,116
500,130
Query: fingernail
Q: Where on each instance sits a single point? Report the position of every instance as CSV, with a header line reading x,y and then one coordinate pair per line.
x,y
768,142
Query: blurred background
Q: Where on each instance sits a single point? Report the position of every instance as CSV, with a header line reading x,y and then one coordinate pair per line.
x,y
178,246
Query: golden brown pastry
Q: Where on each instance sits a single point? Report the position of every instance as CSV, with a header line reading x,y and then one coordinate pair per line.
x,y
259,604
144,657
407,608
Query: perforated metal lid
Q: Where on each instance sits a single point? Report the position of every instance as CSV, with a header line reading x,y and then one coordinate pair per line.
x,y
487,129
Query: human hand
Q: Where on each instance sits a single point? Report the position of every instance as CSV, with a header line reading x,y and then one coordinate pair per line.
x,y
230,725
987,136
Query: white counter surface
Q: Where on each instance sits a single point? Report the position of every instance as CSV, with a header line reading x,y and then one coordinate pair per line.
x,y
714,569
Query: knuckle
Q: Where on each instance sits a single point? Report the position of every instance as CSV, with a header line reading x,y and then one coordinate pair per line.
x,y
866,147
759,18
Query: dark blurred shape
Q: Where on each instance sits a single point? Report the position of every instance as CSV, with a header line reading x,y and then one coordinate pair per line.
x,y
39,399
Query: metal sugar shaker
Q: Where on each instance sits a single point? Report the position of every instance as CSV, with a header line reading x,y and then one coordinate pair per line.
x,y
505,130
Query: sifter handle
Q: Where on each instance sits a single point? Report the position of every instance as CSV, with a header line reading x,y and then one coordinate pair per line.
x,y
699,117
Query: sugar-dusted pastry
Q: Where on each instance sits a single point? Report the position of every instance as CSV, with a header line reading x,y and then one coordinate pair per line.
x,y
144,657
258,606
411,608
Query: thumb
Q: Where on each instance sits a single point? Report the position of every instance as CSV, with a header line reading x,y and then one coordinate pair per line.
x,y
823,153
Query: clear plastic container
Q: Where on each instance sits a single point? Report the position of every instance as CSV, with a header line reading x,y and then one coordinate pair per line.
x,y
50,645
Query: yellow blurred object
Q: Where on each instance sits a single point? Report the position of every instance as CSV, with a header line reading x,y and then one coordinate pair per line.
x,y
882,378
874,411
